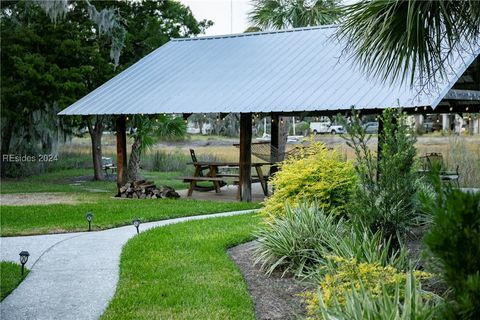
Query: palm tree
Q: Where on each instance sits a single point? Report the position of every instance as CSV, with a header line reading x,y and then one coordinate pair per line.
x,y
280,14
283,14
144,131
396,39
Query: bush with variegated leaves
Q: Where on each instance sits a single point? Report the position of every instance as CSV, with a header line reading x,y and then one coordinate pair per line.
x,y
315,174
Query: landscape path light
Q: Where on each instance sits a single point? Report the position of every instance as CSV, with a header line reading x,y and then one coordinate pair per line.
x,y
23,259
89,217
136,223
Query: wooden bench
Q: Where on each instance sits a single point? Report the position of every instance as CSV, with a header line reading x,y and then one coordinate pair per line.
x,y
107,164
217,183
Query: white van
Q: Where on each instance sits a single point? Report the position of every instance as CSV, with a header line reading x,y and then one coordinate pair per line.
x,y
326,127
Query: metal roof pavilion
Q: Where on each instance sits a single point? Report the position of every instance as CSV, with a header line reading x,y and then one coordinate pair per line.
x,y
298,70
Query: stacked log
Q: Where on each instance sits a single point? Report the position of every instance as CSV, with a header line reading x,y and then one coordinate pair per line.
x,y
143,189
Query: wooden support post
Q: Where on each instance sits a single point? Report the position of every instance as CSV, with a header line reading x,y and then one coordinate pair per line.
x,y
275,141
380,135
245,184
121,151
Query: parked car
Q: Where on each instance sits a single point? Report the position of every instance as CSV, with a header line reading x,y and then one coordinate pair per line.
x,y
326,127
371,127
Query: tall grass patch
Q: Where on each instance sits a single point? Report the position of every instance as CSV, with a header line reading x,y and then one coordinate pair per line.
x,y
166,161
467,159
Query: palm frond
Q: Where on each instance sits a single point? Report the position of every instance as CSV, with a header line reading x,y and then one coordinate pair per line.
x,y
280,14
147,130
168,127
398,39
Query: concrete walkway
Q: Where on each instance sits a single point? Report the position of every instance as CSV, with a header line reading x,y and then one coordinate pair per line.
x,y
74,275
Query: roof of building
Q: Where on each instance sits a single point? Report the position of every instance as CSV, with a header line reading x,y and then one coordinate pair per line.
x,y
283,71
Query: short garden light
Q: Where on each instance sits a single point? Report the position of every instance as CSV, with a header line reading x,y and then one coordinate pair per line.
x,y
89,217
136,223
23,259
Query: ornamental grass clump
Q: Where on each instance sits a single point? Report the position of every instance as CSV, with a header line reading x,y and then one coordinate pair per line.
x,y
299,241
315,174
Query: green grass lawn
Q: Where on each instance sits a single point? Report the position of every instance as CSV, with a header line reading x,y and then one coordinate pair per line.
x,y
108,213
80,181
183,271
10,277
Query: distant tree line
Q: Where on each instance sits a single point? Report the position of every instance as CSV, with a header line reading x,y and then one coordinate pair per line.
x,y
54,52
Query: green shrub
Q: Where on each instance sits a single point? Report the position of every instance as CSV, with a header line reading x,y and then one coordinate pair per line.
x,y
401,300
454,242
317,174
386,204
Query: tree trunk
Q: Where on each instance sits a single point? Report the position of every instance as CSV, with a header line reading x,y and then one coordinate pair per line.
x,y
122,170
7,136
134,161
5,145
96,138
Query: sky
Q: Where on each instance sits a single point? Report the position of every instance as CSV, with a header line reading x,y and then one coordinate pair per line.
x,y
229,16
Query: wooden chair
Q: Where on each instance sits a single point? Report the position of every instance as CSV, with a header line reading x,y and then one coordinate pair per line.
x,y
194,159
435,160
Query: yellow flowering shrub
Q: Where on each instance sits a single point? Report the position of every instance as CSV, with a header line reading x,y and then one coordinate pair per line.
x,y
346,275
311,301
315,174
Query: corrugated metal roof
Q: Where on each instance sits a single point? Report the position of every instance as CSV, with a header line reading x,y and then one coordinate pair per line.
x,y
283,71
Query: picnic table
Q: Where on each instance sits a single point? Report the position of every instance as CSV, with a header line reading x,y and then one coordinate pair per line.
x,y
216,177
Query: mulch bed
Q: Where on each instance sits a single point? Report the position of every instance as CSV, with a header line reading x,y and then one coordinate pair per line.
x,y
275,297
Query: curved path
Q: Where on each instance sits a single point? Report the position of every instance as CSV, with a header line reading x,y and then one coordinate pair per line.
x,y
74,275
